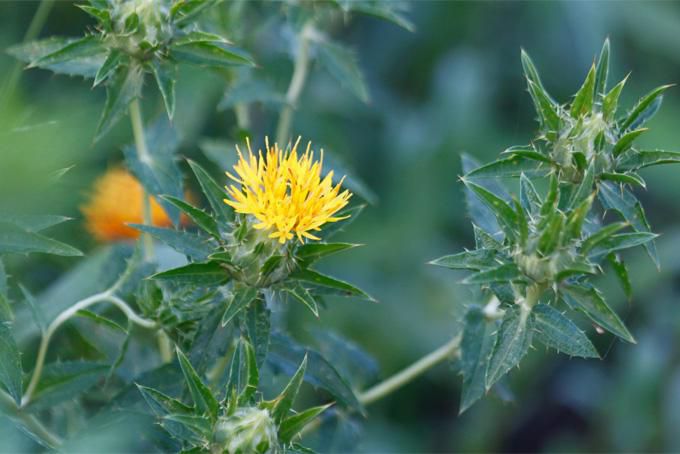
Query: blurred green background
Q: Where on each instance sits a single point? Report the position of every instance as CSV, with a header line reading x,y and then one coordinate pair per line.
x,y
455,85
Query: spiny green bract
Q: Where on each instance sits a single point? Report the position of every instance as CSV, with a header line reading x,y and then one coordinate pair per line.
x,y
234,419
133,38
536,254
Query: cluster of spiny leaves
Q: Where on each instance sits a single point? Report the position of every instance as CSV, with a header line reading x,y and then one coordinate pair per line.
x,y
537,254
133,38
234,419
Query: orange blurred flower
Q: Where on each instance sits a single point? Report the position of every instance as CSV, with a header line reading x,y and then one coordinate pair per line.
x,y
115,201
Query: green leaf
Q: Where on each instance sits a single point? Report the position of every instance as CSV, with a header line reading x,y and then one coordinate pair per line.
x,y
65,381
583,101
201,426
556,331
590,301
202,396
509,167
185,11
84,56
165,74
187,243
478,211
622,241
621,273
198,36
611,100
341,63
626,141
602,69
504,273
545,108
252,375
635,160
505,214
33,222
38,317
530,71
213,193
644,109
158,170
529,152
614,197
602,234
386,10
217,55
577,217
311,252
292,425
198,216
284,401
528,196
109,67
512,343
258,329
479,259
343,288
479,336
124,86
575,268
161,404
207,274
632,179
16,240
101,320
551,236
10,363
240,299
585,187
302,295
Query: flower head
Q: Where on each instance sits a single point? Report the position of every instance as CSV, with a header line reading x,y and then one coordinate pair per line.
x,y
116,201
286,192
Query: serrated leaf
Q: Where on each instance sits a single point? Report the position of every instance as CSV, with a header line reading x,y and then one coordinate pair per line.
x,y
165,74
109,67
556,331
185,11
621,273
198,36
512,343
213,193
341,63
33,222
198,216
388,11
599,236
311,252
158,170
528,152
614,197
481,215
10,363
621,241
611,100
343,288
504,273
187,243
206,274
602,69
644,109
284,401
16,240
124,86
479,336
161,404
101,320
585,187
505,214
203,398
551,236
528,196
38,317
634,160
292,425
530,71
258,329
583,101
240,299
630,178
65,381
199,425
85,57
252,378
302,295
590,301
211,54
577,217
545,108
479,259
626,141
509,167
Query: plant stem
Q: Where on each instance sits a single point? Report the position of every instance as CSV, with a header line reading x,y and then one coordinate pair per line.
x,y
106,296
145,158
297,82
407,375
242,115
8,406
32,32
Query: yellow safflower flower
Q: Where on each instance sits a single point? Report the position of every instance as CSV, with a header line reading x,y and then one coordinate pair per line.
x,y
285,192
116,201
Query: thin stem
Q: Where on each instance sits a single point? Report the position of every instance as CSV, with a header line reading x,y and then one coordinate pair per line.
x,y
105,296
8,406
407,375
242,115
144,157
297,83
164,346
32,32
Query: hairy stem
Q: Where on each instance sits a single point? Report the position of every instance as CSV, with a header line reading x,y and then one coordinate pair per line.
x,y
297,83
106,296
30,422
144,157
32,32
407,375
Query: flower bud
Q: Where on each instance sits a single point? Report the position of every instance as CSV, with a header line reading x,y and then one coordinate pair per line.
x,y
248,430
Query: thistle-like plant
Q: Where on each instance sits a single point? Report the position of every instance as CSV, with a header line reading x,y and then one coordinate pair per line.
x,y
536,254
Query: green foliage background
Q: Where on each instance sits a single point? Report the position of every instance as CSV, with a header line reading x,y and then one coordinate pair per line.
x,y
454,85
